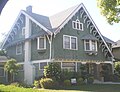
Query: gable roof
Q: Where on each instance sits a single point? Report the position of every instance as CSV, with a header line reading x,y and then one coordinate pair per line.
x,y
44,20
54,23
57,19
116,44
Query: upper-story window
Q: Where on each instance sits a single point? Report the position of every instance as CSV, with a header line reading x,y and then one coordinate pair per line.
x,y
69,42
18,49
90,45
41,43
77,25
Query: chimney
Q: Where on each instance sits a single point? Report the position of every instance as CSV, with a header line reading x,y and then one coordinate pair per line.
x,y
29,8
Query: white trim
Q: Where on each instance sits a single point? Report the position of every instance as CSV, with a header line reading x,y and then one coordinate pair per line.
x,y
3,71
18,46
38,61
70,42
38,43
23,31
90,45
73,13
80,27
48,31
22,12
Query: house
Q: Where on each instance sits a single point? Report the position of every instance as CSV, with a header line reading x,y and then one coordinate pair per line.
x,y
116,50
3,76
70,38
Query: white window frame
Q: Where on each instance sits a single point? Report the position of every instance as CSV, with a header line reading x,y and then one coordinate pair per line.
x,y
4,72
90,43
23,31
80,27
70,42
39,43
17,46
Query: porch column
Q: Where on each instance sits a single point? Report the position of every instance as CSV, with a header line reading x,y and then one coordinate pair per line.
x,y
29,69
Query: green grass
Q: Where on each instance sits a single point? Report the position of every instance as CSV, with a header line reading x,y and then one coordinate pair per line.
x,y
87,88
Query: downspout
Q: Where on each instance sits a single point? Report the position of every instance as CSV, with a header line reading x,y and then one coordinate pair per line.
x,y
50,43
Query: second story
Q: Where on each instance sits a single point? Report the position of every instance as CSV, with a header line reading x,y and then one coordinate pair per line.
x,y
70,34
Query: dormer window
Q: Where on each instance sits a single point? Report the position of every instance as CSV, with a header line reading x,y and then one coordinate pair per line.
x,y
90,45
77,25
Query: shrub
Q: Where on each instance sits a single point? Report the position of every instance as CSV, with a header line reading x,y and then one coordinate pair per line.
x,y
16,84
36,84
90,80
65,74
80,81
47,83
52,70
67,83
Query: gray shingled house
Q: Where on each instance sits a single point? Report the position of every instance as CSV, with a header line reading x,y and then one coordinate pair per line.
x,y
70,37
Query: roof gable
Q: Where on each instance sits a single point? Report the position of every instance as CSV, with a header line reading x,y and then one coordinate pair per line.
x,y
90,24
57,19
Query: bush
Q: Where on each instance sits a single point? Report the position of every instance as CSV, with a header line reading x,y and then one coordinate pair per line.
x,y
67,83
80,81
36,84
90,80
16,84
53,70
47,83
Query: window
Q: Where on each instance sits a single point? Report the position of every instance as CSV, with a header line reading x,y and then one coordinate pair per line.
x,y
23,31
41,65
18,49
2,72
70,66
77,25
90,45
69,42
41,43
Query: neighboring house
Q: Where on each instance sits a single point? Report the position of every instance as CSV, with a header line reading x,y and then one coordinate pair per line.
x,y
70,37
3,75
116,50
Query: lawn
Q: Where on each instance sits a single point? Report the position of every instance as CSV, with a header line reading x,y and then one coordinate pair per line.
x,y
88,88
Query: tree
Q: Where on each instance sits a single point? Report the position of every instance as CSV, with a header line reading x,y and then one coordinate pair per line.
x,y
53,70
110,9
2,53
117,68
11,67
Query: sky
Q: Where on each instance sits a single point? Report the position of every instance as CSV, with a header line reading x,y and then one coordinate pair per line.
x,y
51,7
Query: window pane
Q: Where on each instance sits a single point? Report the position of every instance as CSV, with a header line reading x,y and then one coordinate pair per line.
x,y
81,26
73,43
19,49
42,65
87,45
67,42
74,24
1,71
78,25
41,43
93,46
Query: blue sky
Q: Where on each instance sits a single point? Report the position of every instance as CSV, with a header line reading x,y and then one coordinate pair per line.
x,y
50,7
